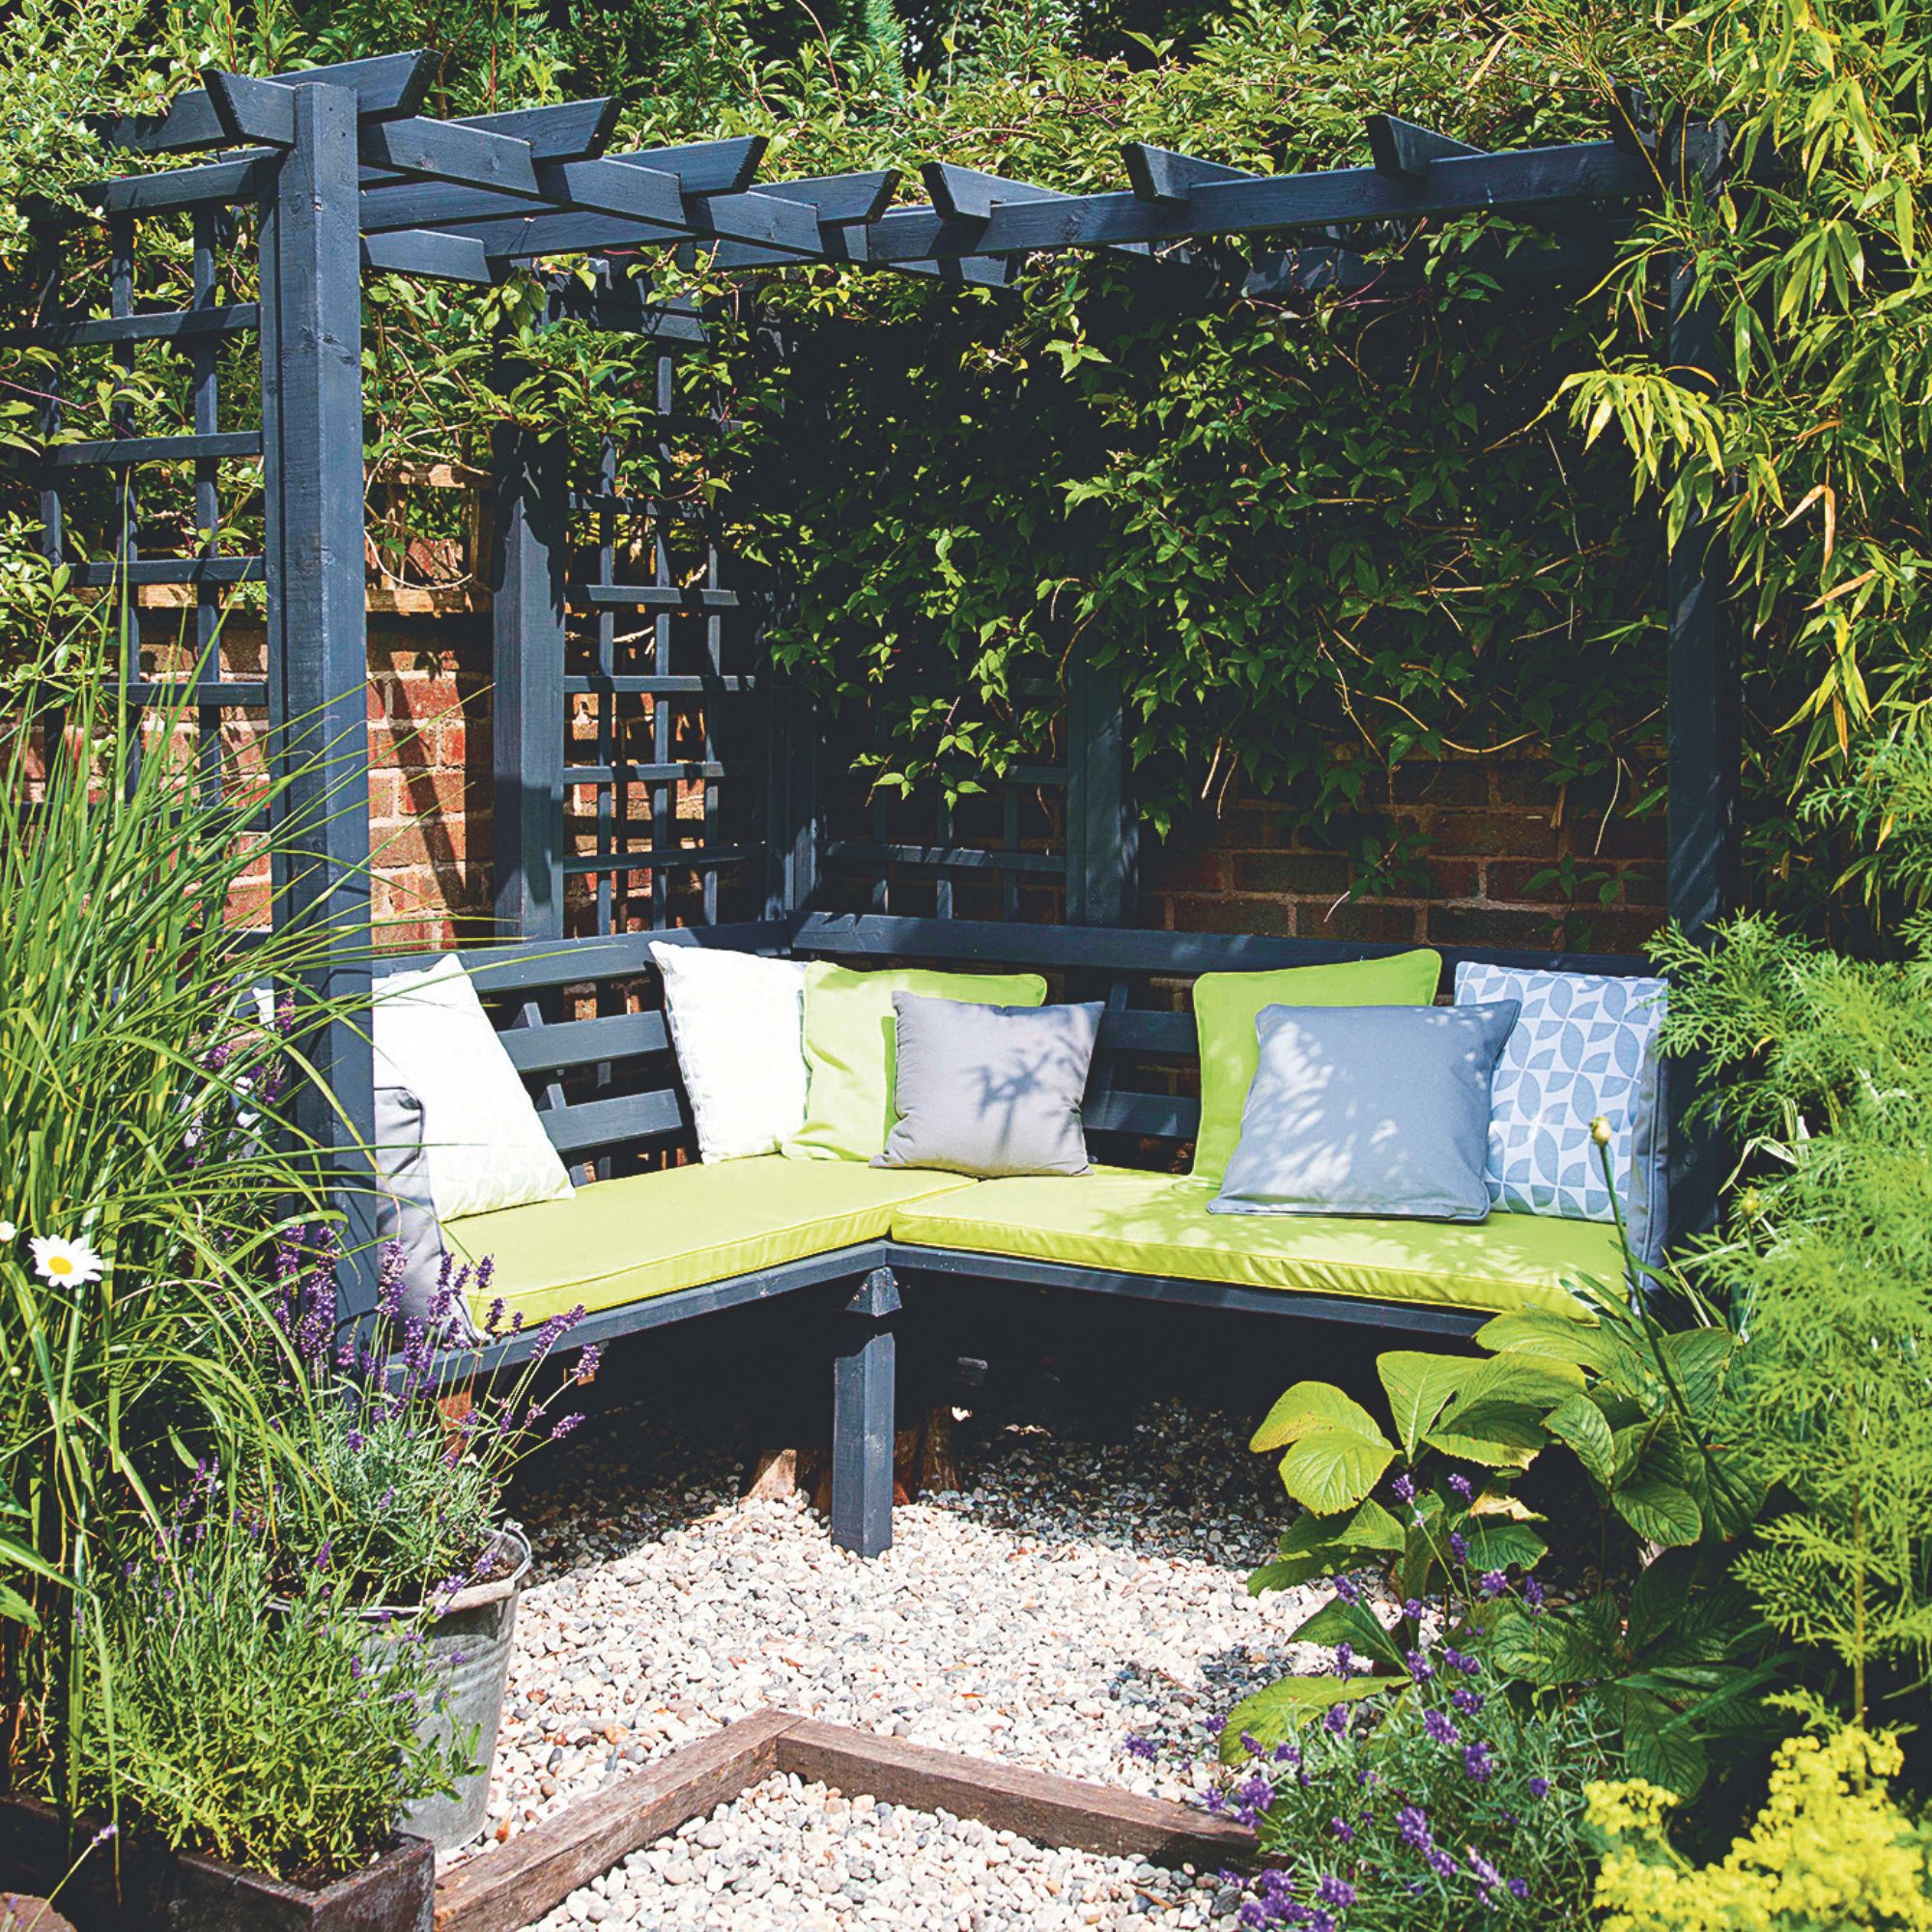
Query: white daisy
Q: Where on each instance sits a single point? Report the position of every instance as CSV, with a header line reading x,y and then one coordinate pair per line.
x,y
8,1233
63,1263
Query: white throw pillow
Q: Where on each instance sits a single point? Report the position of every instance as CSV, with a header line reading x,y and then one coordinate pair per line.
x,y
738,1024
485,1145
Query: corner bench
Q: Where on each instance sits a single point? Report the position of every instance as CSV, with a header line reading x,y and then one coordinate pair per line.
x,y
641,1248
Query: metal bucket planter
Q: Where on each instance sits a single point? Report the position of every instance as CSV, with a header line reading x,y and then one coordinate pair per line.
x,y
469,1639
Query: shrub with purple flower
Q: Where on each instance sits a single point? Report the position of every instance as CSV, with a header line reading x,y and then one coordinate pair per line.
x,y
413,1460
1442,1809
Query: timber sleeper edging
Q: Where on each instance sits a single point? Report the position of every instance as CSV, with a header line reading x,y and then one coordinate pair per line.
x,y
502,1892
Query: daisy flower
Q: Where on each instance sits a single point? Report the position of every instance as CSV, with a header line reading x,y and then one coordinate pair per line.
x,y
64,1264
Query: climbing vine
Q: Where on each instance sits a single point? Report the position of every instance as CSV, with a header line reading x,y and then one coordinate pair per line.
x,y
1318,537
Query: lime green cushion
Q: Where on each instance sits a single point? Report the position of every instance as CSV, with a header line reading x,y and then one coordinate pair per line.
x,y
850,1041
652,1234
1154,1224
1227,1006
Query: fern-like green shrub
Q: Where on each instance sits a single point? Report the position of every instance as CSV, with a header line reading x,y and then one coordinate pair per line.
x,y
1830,1852
1825,1064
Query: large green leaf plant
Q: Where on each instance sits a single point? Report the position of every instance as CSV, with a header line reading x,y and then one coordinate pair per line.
x,y
1633,1405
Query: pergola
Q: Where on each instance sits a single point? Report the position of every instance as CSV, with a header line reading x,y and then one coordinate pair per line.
x,y
348,179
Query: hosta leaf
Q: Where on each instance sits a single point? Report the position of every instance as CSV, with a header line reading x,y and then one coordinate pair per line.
x,y
1318,1545
1306,1407
1284,1572
1496,1435
1418,1385
1334,1469
1497,1545
1659,1744
1558,1647
1516,1380
1578,1424
1659,1512
1548,1338
1698,1359
1659,1595
1337,1621
1274,1716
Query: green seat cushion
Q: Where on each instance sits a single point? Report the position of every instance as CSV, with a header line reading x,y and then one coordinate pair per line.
x,y
653,1234
851,1043
1227,1006
1135,1223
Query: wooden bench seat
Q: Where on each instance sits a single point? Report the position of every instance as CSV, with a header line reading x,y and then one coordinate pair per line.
x,y
653,1236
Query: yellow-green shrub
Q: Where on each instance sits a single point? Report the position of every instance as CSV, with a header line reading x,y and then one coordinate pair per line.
x,y
1829,1852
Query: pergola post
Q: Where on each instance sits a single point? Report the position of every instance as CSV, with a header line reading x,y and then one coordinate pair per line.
x,y
1103,870
1704,712
311,322
529,716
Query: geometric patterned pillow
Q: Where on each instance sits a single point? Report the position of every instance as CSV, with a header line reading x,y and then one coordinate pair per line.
x,y
1585,1044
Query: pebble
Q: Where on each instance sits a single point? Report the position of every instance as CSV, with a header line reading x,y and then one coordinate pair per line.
x,y
786,1859
1077,1595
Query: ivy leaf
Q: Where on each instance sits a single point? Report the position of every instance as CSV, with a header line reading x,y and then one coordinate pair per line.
x,y
1306,1407
1274,1716
1418,1385
1659,1512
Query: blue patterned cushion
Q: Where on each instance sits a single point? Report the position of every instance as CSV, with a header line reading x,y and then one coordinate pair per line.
x,y
1585,1044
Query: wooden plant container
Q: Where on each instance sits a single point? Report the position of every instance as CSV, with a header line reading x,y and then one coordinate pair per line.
x,y
159,1890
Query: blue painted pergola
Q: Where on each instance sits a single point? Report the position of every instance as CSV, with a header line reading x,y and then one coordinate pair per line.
x,y
347,179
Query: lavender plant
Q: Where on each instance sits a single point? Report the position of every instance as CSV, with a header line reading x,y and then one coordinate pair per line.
x,y
411,1488
1451,1806
257,1716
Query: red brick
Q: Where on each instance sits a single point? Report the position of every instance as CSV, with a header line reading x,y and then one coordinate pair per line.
x,y
1303,873
1452,781
1186,868
1455,878
1233,914
1515,879
1489,926
1361,919
1490,835
1622,836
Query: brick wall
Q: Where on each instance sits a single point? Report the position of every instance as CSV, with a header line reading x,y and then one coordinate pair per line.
x,y
1515,859
1500,830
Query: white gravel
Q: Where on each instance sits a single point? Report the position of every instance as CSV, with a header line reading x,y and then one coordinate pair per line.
x,y
802,1854
1079,1596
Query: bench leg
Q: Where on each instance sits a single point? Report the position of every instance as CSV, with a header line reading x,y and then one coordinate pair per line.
x,y
862,1417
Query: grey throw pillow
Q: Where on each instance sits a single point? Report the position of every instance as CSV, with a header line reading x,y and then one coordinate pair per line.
x,y
406,1211
1369,1110
989,1090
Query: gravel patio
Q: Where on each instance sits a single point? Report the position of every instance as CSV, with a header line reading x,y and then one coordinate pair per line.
x,y
1081,1608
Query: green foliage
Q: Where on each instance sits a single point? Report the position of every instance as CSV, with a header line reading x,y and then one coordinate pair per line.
x,y
1826,1063
408,1496
1362,506
144,1125
1450,1806
272,1729
1644,1411
1831,1851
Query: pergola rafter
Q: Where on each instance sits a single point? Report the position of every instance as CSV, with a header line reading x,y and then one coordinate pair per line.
x,y
466,199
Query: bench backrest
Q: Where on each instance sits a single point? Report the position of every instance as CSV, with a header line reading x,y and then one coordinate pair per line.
x,y
582,1023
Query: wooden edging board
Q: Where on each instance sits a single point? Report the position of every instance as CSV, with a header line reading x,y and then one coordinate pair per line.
x,y
539,1869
